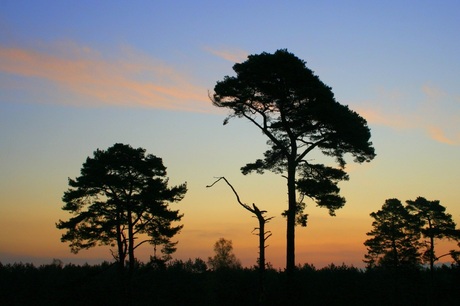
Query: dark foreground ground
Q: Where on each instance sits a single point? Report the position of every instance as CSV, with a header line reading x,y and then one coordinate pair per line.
x,y
55,284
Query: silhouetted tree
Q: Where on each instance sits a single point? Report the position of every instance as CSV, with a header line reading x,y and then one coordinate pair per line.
x,y
298,113
121,194
223,257
434,223
196,266
395,238
263,235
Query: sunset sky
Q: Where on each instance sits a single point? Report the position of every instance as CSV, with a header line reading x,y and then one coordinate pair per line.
x,y
80,75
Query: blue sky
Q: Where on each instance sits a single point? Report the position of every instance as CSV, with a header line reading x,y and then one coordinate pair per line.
x,y
80,75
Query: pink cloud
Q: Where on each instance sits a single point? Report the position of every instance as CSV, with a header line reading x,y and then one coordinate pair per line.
x,y
437,113
379,116
439,135
135,80
234,55
443,113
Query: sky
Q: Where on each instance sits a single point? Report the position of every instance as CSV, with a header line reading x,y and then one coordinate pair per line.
x,y
76,76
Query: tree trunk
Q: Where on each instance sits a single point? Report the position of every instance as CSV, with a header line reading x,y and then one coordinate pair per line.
x,y
261,259
261,245
131,259
121,244
395,253
432,255
121,249
430,226
130,243
290,231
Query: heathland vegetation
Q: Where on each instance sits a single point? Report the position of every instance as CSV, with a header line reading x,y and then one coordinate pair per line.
x,y
190,283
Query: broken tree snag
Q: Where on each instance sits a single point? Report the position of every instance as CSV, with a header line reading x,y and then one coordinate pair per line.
x,y
263,235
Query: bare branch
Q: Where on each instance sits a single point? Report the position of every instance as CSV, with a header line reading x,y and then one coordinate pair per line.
x,y
234,191
142,242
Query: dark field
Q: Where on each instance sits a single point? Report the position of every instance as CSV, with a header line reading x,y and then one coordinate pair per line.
x,y
177,284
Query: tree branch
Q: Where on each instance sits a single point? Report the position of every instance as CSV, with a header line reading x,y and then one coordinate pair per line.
x,y
234,191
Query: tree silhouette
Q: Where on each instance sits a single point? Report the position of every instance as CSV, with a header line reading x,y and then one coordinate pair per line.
x,y
395,238
223,256
121,194
298,113
263,235
434,223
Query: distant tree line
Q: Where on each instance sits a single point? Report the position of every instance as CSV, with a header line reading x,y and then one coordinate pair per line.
x,y
191,282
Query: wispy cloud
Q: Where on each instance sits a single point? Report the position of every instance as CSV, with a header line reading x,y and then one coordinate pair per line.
x,y
434,111
442,111
439,135
232,55
130,79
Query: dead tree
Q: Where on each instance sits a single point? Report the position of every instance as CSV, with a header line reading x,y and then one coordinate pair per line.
x,y
263,235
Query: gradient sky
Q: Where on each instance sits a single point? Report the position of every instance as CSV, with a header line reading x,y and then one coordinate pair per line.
x,y
80,75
